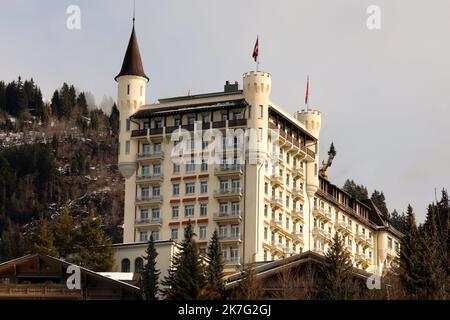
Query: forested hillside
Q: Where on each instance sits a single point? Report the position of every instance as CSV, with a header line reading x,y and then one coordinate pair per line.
x,y
56,156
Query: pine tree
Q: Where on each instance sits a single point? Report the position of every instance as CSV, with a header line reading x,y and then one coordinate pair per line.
x,y
355,190
185,278
56,105
64,233
149,274
214,269
380,202
339,283
82,104
114,120
40,239
398,221
94,251
409,258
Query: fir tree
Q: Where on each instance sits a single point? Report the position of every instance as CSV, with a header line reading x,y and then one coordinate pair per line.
x,y
214,269
64,233
380,202
40,239
114,120
339,284
94,250
149,274
185,279
409,257
355,190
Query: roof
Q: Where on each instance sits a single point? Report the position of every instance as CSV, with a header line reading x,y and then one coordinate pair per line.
x,y
8,264
132,62
191,108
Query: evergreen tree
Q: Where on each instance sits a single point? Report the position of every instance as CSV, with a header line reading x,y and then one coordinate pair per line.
x,y
114,120
64,233
380,202
40,239
82,104
410,263
56,105
355,190
2,96
214,270
94,251
398,221
185,278
339,284
149,274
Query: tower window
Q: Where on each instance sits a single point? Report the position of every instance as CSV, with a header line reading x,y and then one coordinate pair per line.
x,y
261,112
128,123
128,89
127,147
141,89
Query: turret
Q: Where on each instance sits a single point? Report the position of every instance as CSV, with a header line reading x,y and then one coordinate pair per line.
x,y
131,85
312,120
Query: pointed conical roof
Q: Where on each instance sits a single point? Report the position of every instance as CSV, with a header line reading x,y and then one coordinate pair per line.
x,y
132,63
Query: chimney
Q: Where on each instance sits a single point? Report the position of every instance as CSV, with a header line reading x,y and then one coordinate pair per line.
x,y
231,87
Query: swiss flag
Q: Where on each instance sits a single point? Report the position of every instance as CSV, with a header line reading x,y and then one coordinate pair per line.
x,y
256,50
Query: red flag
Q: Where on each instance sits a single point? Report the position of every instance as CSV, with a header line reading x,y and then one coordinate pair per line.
x,y
256,50
307,92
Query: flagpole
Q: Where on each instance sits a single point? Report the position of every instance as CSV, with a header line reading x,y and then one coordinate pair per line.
x,y
257,57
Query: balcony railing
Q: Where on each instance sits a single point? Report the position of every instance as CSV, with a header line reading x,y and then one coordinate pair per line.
x,y
149,221
230,168
227,215
276,178
149,198
277,201
150,154
36,291
228,192
155,176
232,260
231,237
322,212
276,223
237,123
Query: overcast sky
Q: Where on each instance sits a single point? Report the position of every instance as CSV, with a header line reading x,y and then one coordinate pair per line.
x,y
384,94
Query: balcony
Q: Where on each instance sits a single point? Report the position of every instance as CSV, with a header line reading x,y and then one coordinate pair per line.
x,y
234,237
318,232
277,224
232,261
276,179
297,193
344,226
147,178
298,236
362,258
237,123
298,170
147,200
277,246
150,155
321,213
228,193
38,291
232,169
298,214
149,222
146,132
364,239
276,202
227,216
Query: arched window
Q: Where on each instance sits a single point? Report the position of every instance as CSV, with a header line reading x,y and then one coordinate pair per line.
x,y
138,265
126,265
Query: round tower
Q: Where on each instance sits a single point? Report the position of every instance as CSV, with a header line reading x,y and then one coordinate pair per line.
x,y
312,120
131,85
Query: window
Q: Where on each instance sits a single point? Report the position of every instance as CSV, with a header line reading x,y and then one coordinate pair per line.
x,y
144,214
190,188
223,207
190,167
205,118
225,254
223,185
128,124
128,90
265,233
146,148
234,254
261,112
287,201
266,188
143,236
176,168
158,124
202,232
204,145
203,209
155,235
127,147
287,179
280,239
125,265
145,193
141,90
204,165
223,231
389,242
265,255
397,246
224,116
156,191
157,147
176,189
236,185
235,231
204,186
175,212
266,209
145,170
174,234
157,169
177,122
138,264
189,211
191,120
155,214
287,223
235,208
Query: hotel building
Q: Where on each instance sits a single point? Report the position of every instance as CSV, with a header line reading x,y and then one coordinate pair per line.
x,y
260,186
